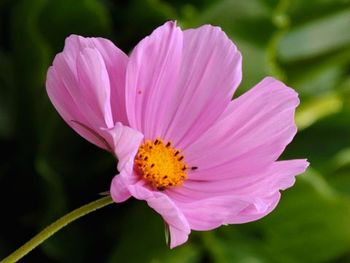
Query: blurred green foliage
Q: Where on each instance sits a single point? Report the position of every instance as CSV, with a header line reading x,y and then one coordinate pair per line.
x,y
47,170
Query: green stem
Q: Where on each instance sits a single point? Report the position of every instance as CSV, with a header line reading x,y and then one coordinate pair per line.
x,y
56,226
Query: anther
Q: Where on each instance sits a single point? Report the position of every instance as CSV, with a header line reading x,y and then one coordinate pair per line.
x,y
160,164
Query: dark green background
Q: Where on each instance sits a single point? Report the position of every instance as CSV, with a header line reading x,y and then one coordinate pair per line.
x,y
47,170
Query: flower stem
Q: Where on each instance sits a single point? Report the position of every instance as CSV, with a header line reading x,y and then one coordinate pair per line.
x,y
56,226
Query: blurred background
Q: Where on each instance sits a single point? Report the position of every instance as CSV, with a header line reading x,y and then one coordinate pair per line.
x,y
46,169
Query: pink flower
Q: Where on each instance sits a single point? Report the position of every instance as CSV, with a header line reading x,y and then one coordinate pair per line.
x,y
196,157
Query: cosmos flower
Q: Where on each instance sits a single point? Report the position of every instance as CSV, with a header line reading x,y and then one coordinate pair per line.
x,y
195,156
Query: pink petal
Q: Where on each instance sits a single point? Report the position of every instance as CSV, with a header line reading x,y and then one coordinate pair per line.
x,y
119,189
180,82
237,179
250,135
210,213
208,205
125,142
277,176
172,215
211,70
81,89
94,87
115,61
151,78
71,111
68,108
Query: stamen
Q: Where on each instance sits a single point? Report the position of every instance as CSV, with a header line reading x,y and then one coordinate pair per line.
x,y
160,164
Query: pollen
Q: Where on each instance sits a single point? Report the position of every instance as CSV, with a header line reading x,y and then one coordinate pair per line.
x,y
160,164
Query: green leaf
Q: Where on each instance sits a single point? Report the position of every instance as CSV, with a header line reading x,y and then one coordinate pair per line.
x,y
142,240
254,64
342,158
317,108
310,224
6,96
228,244
316,37
238,19
30,60
321,75
84,17
321,141
148,15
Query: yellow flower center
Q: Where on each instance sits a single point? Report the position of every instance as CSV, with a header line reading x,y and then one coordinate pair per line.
x,y
160,164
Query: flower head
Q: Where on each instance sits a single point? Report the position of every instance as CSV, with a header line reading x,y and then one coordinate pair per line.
x,y
196,157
